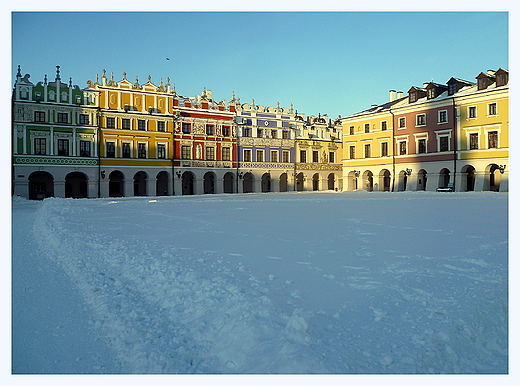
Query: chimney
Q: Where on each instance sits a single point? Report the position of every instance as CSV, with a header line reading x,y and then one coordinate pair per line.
x,y
399,94
392,95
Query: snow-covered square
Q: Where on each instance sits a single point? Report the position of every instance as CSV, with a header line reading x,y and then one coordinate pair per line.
x,y
277,283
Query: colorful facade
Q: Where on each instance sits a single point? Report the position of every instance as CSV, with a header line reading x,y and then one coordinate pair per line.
x,y
427,140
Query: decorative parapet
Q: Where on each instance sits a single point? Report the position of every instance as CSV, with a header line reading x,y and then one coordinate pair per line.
x,y
38,160
267,142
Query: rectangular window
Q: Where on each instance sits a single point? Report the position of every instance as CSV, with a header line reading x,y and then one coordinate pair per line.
x,y
83,119
63,147
384,149
452,88
402,122
421,119
225,131
444,144
186,128
352,152
473,141
259,156
185,152
63,118
431,93
285,156
226,154
161,126
367,127
351,130
110,149
472,112
247,155
39,116
443,116
383,125
285,134
492,139
84,148
274,156
492,109
274,134
303,156
141,125
111,123
402,147
210,153
331,157
367,150
421,146
259,133
413,97
210,129
161,151
247,132
125,148
125,124
315,156
40,146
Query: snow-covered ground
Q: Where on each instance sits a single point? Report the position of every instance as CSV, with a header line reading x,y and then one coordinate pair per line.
x,y
289,283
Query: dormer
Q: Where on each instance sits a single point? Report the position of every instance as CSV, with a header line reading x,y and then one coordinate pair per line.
x,y
502,77
485,79
433,90
415,93
455,84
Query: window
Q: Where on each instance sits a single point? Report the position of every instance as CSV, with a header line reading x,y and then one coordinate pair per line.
x,y
141,150
247,132
259,133
110,149
210,129
141,124
125,148
186,128
352,152
274,156
331,157
472,112
185,152
259,156
247,155
285,134
482,83
63,118
84,148
303,156
367,127
161,126
431,93
384,149
492,108
125,124
413,97
501,79
443,116
421,119
40,146
83,119
383,125
63,147
421,146
402,147
315,156
226,154
161,151
285,156
452,88
210,153
402,122
444,144
274,134
351,130
39,116
473,141
111,123
367,150
225,131
493,139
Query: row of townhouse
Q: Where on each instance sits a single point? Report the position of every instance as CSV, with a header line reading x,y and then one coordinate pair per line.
x,y
451,137
124,139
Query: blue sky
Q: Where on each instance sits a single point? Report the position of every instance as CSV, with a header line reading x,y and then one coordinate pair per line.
x,y
335,63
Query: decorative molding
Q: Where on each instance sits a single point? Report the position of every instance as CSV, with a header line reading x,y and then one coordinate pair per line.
x,y
55,161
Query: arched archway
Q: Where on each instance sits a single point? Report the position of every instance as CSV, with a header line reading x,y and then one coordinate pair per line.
x,y
188,182
116,184
140,183
444,178
422,177
353,180
283,182
468,178
316,181
76,185
229,182
266,182
209,183
41,185
492,178
161,184
385,181
247,182
402,181
331,178
299,182
368,180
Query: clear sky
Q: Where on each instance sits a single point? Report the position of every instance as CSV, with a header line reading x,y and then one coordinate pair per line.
x,y
335,63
